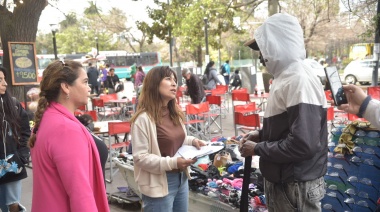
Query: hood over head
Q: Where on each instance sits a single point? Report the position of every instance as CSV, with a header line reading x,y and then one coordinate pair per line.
x,y
280,40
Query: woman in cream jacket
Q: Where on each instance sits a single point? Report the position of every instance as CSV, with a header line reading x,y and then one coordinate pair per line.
x,y
157,133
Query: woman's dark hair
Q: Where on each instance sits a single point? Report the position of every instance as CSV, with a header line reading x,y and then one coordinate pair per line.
x,y
8,111
85,119
139,68
208,66
150,100
57,72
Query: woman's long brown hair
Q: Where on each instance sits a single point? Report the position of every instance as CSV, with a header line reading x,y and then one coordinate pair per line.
x,y
150,100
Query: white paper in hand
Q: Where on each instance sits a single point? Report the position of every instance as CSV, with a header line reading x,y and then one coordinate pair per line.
x,y
189,152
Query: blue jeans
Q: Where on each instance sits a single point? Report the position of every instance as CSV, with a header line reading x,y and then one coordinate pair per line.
x,y
177,200
10,193
295,196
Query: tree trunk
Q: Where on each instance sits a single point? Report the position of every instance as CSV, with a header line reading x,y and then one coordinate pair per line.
x,y
19,26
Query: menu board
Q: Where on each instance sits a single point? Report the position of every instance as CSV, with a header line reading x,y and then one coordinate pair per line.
x,y
23,63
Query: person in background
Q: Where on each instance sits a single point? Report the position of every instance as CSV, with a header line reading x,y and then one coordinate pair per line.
x,y
14,152
112,81
93,76
212,76
361,104
157,133
235,80
139,78
67,174
133,72
227,73
292,144
194,87
103,77
87,121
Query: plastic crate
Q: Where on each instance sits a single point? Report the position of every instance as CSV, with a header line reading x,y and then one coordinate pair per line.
x,y
200,202
127,171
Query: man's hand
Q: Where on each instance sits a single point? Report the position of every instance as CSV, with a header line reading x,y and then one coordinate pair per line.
x,y
355,97
198,143
247,149
251,136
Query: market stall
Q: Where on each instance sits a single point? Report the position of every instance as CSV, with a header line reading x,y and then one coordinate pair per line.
x,y
213,187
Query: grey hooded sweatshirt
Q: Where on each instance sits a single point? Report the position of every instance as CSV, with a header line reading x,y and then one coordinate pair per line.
x,y
293,143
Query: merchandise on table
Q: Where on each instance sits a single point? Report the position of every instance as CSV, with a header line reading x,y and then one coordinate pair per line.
x,y
352,178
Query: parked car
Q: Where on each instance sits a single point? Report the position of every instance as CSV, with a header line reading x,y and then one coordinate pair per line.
x,y
359,71
318,69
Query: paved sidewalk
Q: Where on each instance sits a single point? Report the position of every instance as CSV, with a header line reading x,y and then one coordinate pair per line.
x,y
26,200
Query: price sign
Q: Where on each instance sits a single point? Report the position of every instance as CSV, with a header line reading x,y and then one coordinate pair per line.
x,y
23,63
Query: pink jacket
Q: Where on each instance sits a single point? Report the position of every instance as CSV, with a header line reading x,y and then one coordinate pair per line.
x,y
67,175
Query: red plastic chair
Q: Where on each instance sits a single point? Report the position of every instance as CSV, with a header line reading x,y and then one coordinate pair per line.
x,y
98,105
246,121
92,113
222,87
221,91
115,128
196,119
82,108
215,111
107,97
250,109
241,90
178,95
242,97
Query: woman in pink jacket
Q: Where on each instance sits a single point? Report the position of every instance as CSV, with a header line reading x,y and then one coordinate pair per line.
x,y
67,175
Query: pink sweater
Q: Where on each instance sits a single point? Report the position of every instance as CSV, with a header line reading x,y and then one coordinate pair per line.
x,y
67,174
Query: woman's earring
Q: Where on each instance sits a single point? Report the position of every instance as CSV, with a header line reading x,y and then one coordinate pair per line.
x,y
67,97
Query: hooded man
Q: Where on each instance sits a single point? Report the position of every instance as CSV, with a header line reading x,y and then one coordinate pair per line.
x,y
292,144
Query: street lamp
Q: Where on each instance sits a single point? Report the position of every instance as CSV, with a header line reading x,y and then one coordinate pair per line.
x,y
97,46
54,29
206,36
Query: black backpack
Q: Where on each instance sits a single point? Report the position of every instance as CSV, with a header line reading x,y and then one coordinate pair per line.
x,y
223,69
236,80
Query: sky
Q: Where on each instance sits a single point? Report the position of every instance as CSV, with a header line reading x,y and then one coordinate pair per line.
x,y
135,10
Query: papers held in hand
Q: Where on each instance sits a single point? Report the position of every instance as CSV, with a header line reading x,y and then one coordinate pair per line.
x,y
190,152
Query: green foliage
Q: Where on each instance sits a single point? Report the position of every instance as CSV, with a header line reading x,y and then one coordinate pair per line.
x,y
186,20
44,44
71,19
78,35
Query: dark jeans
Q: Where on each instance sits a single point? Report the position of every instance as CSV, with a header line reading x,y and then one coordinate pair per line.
x,y
295,196
95,87
227,79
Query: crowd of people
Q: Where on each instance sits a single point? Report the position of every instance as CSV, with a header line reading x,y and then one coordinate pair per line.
x,y
68,165
103,80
